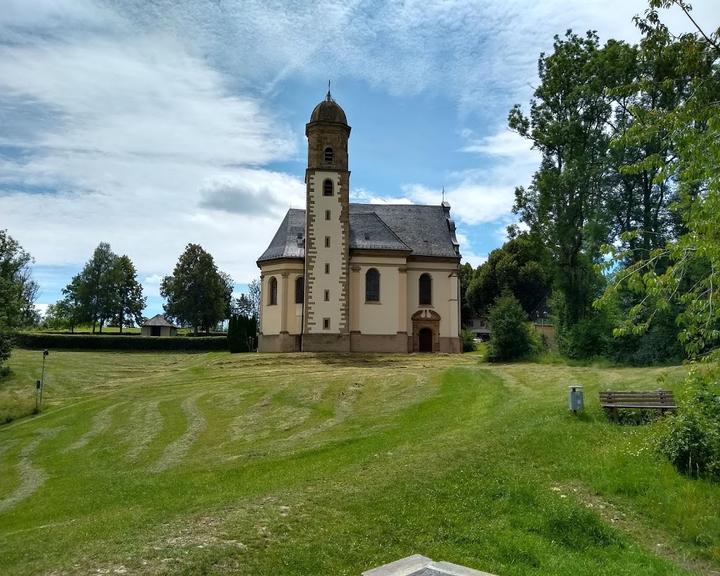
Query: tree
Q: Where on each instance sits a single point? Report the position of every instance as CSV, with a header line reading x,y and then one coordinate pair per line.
x,y
129,297
511,336
62,315
254,297
94,288
18,291
465,274
564,203
244,307
686,271
197,293
521,267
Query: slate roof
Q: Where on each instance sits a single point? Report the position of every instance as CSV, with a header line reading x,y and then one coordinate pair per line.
x,y
158,320
413,229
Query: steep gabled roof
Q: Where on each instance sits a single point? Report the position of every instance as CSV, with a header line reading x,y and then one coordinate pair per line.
x,y
414,229
289,240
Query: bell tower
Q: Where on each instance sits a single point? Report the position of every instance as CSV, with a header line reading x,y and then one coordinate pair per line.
x,y
326,325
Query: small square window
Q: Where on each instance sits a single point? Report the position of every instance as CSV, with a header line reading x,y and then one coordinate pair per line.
x,y
327,241
326,323
327,214
327,295
327,268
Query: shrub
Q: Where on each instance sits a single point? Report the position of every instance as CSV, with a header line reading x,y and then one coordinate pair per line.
x,y
241,334
690,439
6,343
39,340
659,345
468,341
511,335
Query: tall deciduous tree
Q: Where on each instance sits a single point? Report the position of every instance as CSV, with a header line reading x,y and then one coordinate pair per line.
x,y
564,203
96,286
465,275
106,290
129,297
197,293
18,291
661,279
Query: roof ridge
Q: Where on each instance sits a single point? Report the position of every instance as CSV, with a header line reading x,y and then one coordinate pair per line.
x,y
395,204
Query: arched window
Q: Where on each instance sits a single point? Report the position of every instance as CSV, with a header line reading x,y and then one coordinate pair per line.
x,y
329,155
372,285
425,287
327,188
299,290
272,291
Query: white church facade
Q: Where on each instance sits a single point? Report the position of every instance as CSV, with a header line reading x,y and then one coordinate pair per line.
x,y
342,277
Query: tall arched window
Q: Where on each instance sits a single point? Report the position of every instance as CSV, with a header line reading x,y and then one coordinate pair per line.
x,y
299,290
425,288
272,291
327,188
372,285
329,155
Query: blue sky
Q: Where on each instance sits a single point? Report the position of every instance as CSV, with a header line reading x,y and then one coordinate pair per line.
x,y
149,125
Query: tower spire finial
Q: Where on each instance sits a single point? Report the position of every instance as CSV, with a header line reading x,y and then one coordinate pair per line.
x,y
328,97
443,194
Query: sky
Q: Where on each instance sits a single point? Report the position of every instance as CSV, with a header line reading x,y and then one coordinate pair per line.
x,y
150,124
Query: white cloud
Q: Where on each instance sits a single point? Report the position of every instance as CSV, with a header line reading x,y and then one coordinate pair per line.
x,y
485,194
130,138
363,196
504,143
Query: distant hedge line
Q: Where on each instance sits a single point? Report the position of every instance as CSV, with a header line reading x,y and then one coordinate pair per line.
x,y
35,340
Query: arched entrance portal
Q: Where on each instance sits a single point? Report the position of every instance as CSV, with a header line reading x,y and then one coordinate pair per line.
x,y
425,340
425,331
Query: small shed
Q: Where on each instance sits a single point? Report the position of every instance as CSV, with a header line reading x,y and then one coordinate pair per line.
x,y
158,326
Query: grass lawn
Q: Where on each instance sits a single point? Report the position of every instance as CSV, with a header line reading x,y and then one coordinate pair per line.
x,y
145,463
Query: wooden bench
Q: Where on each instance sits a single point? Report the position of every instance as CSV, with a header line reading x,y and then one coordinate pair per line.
x,y
661,400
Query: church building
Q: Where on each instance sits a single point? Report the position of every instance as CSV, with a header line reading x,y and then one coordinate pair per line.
x,y
342,277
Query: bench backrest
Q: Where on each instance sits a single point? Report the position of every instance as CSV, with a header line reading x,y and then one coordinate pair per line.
x,y
662,397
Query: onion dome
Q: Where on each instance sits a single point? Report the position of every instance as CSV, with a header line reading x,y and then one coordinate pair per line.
x,y
328,111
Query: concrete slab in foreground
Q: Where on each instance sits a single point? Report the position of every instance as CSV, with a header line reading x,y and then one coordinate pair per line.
x,y
418,565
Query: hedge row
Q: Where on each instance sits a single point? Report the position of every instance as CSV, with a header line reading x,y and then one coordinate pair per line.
x,y
36,340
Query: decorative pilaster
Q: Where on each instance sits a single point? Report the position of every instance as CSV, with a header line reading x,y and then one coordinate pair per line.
x,y
284,306
355,291
402,299
454,305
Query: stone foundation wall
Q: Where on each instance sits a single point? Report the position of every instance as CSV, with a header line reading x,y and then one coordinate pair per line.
x,y
450,345
390,343
399,343
279,343
326,343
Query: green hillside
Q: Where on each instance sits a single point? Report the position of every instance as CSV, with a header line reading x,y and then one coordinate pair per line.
x,y
145,463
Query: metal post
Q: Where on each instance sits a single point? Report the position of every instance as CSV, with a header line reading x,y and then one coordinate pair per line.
x,y
42,377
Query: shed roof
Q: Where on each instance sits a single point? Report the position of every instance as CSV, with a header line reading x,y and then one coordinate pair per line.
x,y
158,320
